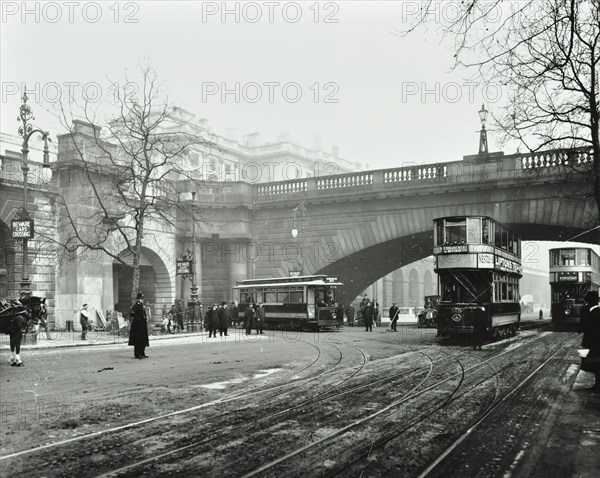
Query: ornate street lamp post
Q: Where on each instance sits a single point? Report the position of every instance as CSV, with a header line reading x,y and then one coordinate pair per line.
x,y
194,303
22,225
302,210
483,142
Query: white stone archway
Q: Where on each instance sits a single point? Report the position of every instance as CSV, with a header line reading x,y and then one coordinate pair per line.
x,y
157,282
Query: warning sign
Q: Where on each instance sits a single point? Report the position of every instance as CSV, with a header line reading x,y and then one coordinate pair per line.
x,y
22,229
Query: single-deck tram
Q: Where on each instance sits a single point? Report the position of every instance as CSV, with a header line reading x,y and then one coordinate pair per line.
x,y
302,302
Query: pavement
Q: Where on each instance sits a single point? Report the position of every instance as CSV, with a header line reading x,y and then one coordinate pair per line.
x,y
571,450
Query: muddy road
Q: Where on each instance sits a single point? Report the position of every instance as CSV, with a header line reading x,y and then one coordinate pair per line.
x,y
345,403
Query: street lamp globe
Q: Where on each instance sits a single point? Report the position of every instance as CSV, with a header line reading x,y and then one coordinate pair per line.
x,y
294,232
483,113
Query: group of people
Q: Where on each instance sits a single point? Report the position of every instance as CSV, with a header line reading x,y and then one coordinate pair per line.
x,y
220,317
173,319
254,317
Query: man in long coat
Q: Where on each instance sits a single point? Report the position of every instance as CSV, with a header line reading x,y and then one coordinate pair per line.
x,y
393,315
138,330
260,318
212,321
591,332
367,315
248,318
224,318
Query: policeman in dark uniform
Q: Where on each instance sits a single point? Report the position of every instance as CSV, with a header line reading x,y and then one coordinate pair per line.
x,y
138,330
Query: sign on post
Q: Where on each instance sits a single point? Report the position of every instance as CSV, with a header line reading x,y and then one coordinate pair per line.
x,y
22,228
184,268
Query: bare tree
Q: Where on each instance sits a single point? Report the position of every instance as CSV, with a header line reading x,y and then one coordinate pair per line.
x,y
546,55
135,168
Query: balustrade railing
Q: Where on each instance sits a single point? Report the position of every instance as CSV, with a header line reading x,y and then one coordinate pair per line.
x,y
294,186
344,181
555,158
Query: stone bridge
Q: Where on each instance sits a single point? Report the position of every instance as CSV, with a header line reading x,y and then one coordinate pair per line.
x,y
357,226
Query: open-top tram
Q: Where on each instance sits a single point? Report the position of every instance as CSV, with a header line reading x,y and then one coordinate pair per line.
x,y
302,302
574,271
478,262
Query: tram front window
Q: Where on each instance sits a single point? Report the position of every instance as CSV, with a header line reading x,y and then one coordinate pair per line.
x,y
456,231
567,258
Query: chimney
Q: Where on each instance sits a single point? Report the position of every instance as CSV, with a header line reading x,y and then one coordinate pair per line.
x,y
284,137
252,140
232,134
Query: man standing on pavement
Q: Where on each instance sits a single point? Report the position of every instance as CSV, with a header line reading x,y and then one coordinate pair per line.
x,y
84,321
138,328
393,314
224,318
248,318
367,315
260,318
212,321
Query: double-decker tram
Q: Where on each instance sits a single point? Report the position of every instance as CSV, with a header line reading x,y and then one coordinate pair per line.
x,y
302,302
478,262
574,271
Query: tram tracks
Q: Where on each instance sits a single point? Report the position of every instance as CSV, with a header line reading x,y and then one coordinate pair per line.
x,y
300,462
282,386
186,448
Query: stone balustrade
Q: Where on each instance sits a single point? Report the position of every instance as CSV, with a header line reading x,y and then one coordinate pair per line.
x,y
555,158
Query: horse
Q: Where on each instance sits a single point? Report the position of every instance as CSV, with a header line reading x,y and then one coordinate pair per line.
x,y
15,318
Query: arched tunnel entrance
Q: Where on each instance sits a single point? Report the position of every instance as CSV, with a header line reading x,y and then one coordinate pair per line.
x,y
155,282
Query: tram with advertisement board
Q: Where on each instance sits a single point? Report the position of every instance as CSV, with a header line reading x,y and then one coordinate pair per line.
x,y
574,271
478,263
299,303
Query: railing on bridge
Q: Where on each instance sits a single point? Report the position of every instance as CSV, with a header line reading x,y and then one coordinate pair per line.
x,y
439,172
555,158
360,178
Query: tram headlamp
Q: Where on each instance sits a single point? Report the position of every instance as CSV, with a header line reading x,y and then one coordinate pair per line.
x,y
456,317
333,315
567,311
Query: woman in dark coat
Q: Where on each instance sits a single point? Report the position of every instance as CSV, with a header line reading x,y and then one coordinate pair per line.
x,y
138,330
591,332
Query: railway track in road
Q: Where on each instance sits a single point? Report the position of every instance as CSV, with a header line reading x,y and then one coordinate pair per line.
x,y
282,386
225,425
147,466
300,462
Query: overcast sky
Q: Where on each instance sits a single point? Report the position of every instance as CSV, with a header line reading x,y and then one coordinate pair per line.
x,y
328,73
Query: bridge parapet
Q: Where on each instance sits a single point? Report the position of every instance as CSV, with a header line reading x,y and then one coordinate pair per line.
x,y
556,158
506,168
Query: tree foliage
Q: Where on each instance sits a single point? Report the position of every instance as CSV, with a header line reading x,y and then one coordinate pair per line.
x,y
135,168
545,54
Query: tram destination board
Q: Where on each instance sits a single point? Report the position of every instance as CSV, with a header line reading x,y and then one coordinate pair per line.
x,y
22,228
